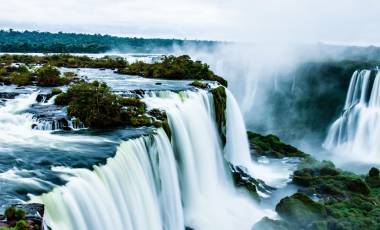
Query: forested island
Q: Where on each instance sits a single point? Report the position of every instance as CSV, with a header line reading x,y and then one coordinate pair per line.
x,y
47,42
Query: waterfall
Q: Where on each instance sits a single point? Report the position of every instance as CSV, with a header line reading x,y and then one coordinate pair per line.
x,y
152,183
237,148
209,197
357,130
136,189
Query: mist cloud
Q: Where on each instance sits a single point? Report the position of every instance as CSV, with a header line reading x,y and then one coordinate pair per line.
x,y
294,21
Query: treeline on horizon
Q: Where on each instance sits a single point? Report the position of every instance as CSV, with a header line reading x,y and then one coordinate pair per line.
x,y
46,42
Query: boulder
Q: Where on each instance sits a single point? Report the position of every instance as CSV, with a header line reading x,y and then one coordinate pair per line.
x,y
300,209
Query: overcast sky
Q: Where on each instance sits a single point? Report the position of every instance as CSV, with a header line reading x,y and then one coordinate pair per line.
x,y
333,21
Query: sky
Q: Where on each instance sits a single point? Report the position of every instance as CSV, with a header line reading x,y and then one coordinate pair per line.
x,y
283,21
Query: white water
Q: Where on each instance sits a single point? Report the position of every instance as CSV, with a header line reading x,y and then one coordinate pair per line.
x,y
356,133
137,189
237,148
16,127
209,197
154,184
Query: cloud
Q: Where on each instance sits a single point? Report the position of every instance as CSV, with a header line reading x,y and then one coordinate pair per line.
x,y
339,21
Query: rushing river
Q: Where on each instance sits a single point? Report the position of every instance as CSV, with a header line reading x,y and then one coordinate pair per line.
x,y
131,178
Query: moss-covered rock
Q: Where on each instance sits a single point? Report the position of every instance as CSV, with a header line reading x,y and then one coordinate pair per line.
x,y
344,200
373,178
271,146
220,105
269,224
56,91
300,209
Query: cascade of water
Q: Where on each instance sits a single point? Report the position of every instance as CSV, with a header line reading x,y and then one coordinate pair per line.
x,y
357,130
136,189
208,193
154,184
237,148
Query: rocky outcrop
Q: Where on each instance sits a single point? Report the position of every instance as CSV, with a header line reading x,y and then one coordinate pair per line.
x,y
271,146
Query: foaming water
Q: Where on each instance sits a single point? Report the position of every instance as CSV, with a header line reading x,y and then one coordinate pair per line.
x,y
354,136
152,183
16,126
136,189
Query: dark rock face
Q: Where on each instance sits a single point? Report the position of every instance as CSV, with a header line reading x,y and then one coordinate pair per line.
x,y
220,104
244,180
43,97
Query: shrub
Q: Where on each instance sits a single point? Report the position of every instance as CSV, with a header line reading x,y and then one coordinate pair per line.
x,y
55,91
48,75
93,103
10,213
175,68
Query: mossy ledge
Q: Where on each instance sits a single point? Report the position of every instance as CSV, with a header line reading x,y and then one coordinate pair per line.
x,y
271,146
220,105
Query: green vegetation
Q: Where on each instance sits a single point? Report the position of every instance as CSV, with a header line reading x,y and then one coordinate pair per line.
x,y
173,68
45,76
93,103
48,75
346,201
18,75
328,198
220,104
271,146
300,209
45,42
65,60
98,107
55,91
16,220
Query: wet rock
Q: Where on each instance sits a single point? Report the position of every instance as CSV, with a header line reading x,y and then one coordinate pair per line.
x,y
271,146
300,209
41,98
373,178
269,224
8,95
138,92
244,180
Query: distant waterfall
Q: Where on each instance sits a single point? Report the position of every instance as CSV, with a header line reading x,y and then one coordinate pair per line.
x,y
357,131
154,184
